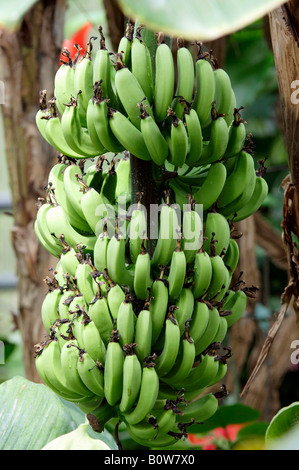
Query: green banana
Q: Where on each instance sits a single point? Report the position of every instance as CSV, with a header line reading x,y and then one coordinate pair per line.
x,y
231,256
177,272
103,72
77,138
99,313
74,189
158,305
214,150
195,138
116,262
99,111
115,296
129,92
209,334
219,278
185,77
184,308
237,135
237,180
123,185
141,66
185,359
164,80
83,82
168,231
127,134
142,274
258,196
200,319
202,374
236,304
69,359
132,373
92,341
166,359
113,371
57,188
216,233
125,44
64,81
148,393
126,320
49,368
91,373
205,88
143,333
50,303
177,141
43,233
137,230
192,231
211,187
85,281
155,142
202,274
198,410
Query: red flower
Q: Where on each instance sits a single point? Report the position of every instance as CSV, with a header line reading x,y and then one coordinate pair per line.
x,y
80,37
212,440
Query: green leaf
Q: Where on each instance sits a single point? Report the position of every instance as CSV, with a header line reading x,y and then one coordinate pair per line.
x,y
283,422
30,415
12,12
226,415
202,20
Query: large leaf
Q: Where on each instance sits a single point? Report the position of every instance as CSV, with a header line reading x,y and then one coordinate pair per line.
x,y
285,421
197,19
12,12
30,415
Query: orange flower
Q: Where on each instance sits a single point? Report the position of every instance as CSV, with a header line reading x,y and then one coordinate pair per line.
x,y
80,37
212,440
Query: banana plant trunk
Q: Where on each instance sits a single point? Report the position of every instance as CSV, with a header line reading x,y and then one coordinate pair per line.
x,y
28,60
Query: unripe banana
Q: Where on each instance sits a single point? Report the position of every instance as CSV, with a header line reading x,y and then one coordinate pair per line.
x,y
184,361
91,373
155,142
167,357
132,373
64,87
103,71
149,389
143,333
130,92
99,313
142,274
186,77
205,88
164,80
141,66
113,372
177,272
128,135
158,305
126,320
83,82
216,234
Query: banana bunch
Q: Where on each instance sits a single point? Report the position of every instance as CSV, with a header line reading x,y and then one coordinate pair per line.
x,y
137,330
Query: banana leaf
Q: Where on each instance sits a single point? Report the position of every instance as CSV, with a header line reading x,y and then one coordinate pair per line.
x,y
202,20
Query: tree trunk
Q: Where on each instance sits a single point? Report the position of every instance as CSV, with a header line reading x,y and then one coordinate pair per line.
x,y
284,27
28,61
